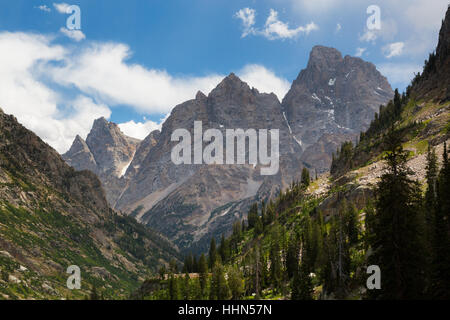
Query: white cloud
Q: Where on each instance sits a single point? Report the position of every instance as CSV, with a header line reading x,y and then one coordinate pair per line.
x,y
273,28
276,29
264,80
393,49
61,7
247,16
95,75
360,52
55,118
139,130
399,74
101,70
44,8
76,35
338,27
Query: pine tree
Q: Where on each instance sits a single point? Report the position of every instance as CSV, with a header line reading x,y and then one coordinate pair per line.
x,y
162,272
212,256
173,266
302,288
203,273
219,289
352,224
292,256
186,287
235,282
259,228
252,216
398,241
174,293
440,278
305,179
275,260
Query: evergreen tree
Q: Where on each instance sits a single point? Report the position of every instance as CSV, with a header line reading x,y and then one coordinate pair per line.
x,y
252,216
352,224
236,283
162,272
292,256
398,241
212,256
219,289
441,235
173,266
186,287
203,273
174,293
275,260
305,179
302,288
259,228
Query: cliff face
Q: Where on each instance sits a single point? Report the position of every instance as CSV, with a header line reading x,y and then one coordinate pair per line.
x,y
107,152
434,83
190,203
52,216
331,101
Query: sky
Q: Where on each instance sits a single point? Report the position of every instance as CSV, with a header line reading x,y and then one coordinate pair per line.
x,y
133,61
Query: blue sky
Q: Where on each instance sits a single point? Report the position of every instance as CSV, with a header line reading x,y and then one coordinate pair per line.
x,y
133,61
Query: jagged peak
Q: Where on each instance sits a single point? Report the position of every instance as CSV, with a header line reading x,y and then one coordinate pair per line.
x,y
200,95
324,56
230,83
100,122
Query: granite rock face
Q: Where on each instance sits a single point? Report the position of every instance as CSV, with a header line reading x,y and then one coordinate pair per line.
x,y
107,152
331,101
334,96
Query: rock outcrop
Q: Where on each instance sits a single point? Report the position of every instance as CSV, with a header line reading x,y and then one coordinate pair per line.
x,y
331,101
107,152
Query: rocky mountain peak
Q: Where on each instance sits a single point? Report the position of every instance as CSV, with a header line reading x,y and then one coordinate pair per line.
x,y
333,100
323,58
107,152
200,95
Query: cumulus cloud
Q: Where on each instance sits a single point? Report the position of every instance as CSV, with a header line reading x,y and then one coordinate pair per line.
x,y
55,118
58,91
276,29
61,7
360,52
139,130
393,49
264,80
273,28
76,35
101,69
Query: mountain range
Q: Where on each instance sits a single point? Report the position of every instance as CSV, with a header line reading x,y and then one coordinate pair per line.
x,y
331,101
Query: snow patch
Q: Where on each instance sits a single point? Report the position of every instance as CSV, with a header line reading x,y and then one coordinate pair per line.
x,y
331,82
287,123
125,168
315,97
298,141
